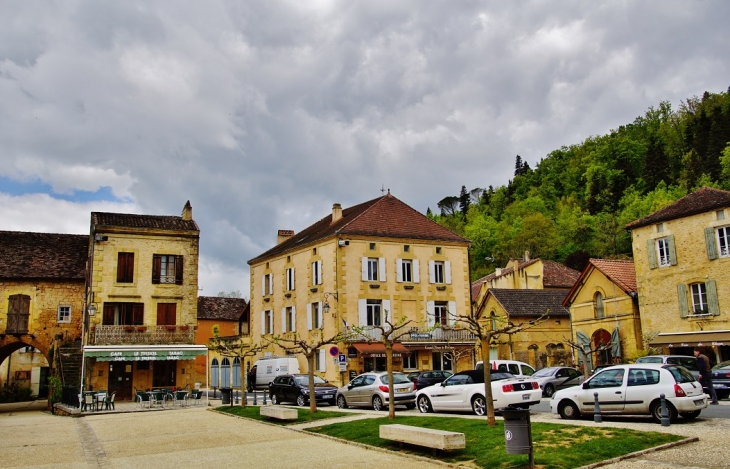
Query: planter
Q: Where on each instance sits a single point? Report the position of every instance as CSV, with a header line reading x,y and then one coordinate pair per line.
x,y
184,328
142,328
171,328
129,328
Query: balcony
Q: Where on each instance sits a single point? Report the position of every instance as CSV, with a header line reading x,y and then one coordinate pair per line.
x,y
420,335
142,335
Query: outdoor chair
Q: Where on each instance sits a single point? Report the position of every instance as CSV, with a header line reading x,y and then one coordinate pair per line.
x,y
143,397
158,398
181,397
101,398
88,402
110,401
196,396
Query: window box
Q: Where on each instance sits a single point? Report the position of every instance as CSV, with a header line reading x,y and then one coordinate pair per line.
x,y
267,299
408,287
171,328
129,328
441,288
184,328
313,290
288,295
374,285
142,328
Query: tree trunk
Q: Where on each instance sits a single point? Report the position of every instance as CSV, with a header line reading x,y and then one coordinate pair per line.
x,y
491,421
389,367
310,372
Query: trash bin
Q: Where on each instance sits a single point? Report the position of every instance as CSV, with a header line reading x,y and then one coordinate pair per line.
x,y
517,431
226,395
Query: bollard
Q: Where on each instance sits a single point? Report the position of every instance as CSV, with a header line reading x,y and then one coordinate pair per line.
x,y
597,417
665,411
254,397
264,397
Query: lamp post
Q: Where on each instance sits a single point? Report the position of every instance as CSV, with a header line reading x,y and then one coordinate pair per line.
x,y
326,305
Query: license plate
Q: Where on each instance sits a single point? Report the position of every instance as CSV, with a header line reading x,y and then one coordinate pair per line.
x,y
700,402
525,397
326,396
719,385
404,389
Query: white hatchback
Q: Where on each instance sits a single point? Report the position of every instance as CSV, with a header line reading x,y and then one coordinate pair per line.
x,y
634,390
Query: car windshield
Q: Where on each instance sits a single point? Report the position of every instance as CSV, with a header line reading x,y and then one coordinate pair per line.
x,y
398,378
544,372
498,376
681,374
722,365
650,360
304,381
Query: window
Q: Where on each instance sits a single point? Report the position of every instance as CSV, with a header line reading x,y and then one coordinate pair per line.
x,y
441,313
406,271
607,379
438,250
720,214
64,313
410,362
439,272
214,369
699,298
289,319
373,313
267,322
123,314
18,314
167,269
225,373
166,314
236,374
406,248
662,247
317,273
373,269
22,375
723,241
372,246
598,305
290,279
441,361
125,267
267,284
314,316
320,361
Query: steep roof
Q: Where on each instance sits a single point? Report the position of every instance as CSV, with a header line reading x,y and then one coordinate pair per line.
x,y
25,255
225,309
620,272
384,217
128,220
530,303
700,201
556,275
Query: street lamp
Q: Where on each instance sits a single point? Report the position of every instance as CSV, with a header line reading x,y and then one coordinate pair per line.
x,y
326,305
92,309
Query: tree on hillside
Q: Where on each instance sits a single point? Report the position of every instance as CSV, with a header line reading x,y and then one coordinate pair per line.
x,y
448,205
234,347
463,201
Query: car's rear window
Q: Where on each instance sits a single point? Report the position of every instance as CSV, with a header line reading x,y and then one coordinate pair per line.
x,y
650,360
688,362
497,376
680,373
398,378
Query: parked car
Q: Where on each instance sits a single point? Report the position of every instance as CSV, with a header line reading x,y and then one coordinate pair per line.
x,y
295,388
600,367
518,369
686,361
721,379
555,378
423,379
464,391
269,368
634,390
371,390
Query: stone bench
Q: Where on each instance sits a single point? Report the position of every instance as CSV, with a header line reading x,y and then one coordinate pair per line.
x,y
279,413
435,439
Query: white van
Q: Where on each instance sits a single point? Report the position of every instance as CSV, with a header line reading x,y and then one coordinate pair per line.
x,y
519,369
269,368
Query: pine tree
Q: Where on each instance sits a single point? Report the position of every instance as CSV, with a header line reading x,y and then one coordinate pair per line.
x,y
464,200
518,165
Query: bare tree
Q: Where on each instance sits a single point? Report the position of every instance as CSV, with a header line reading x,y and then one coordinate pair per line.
x,y
487,330
293,343
586,349
387,333
232,347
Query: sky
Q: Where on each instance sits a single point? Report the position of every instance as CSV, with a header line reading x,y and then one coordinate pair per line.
x,y
264,114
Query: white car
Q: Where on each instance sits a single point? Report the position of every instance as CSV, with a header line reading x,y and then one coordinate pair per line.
x,y
465,391
634,390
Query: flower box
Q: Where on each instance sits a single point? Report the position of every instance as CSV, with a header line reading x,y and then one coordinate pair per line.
x,y
184,328
129,328
142,328
171,328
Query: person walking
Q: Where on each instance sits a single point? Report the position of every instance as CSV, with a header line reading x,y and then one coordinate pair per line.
x,y
251,379
706,374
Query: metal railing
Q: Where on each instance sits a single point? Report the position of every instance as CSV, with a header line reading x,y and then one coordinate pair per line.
x,y
143,335
419,334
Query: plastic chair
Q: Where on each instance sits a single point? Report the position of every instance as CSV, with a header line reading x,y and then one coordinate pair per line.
x,y
110,401
143,397
181,397
101,398
88,402
196,395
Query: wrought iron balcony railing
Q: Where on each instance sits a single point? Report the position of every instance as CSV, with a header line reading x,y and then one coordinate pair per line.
x,y
418,334
142,335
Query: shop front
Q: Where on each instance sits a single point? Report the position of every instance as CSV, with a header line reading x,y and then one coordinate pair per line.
x,y
715,344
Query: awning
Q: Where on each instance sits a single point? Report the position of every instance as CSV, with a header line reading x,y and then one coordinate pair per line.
x,y
692,339
122,353
377,350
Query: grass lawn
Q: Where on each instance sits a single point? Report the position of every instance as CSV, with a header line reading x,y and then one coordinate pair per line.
x,y
555,446
252,412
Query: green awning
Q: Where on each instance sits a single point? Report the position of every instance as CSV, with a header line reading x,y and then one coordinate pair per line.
x,y
115,353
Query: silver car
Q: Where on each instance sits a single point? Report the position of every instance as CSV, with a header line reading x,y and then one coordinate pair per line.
x,y
554,378
371,390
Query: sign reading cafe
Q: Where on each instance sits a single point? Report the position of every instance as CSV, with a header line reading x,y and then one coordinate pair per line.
x,y
111,354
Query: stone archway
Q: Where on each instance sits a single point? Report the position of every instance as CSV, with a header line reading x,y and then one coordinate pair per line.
x,y
19,365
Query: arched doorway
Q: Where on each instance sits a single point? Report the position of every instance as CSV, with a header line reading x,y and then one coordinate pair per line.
x,y
601,342
24,365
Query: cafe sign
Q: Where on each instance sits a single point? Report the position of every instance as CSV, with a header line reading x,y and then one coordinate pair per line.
x,y
111,355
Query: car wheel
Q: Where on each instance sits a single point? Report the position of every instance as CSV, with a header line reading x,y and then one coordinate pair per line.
x,y
275,399
691,415
411,406
479,405
301,400
549,390
341,402
377,403
424,405
656,411
568,410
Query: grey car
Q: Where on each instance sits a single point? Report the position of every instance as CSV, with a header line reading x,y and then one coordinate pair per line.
x,y
371,390
684,360
554,378
721,379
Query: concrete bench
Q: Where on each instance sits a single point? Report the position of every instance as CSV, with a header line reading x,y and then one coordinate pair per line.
x,y
280,413
435,439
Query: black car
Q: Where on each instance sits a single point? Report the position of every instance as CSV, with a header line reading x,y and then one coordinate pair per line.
x,y
721,379
427,378
295,388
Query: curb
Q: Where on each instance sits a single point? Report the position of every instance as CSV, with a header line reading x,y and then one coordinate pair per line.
x,y
641,453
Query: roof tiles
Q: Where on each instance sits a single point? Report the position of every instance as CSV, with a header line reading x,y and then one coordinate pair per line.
x,y
25,255
702,200
128,220
227,309
531,303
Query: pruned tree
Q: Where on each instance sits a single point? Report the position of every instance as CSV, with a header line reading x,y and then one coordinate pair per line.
x,y
233,347
585,347
487,330
308,346
387,333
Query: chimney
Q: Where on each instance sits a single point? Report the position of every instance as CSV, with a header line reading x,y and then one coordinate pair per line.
x,y
336,212
187,212
498,271
283,235
527,256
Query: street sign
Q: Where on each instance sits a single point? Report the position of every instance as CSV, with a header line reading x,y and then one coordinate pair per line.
x,y
343,367
334,350
342,358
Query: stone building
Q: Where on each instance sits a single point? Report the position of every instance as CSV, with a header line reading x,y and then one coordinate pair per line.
x,y
353,267
682,260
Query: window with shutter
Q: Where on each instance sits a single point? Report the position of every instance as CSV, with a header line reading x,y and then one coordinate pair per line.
x,y
125,267
18,314
123,314
166,314
167,269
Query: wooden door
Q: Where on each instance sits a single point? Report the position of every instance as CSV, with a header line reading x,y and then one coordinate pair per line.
x,y
163,373
120,380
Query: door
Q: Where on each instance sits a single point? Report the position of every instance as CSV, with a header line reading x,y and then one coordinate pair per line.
x,y
163,374
568,377
43,383
120,380
610,385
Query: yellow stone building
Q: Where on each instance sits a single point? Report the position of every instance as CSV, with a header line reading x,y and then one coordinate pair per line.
x,y
682,260
142,302
604,309
352,268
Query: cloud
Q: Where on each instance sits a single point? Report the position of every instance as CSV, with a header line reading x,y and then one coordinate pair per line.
x,y
264,114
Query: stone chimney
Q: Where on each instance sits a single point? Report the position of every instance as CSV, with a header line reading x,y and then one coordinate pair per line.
x,y
187,212
498,271
336,212
283,235
527,256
